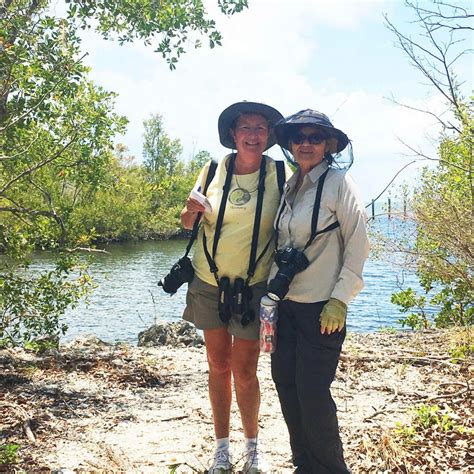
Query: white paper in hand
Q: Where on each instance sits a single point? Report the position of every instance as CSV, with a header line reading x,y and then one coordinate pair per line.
x,y
202,199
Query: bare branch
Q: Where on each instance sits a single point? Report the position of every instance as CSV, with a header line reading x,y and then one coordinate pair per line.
x,y
406,42
426,157
433,18
392,180
87,249
450,266
433,62
410,107
443,53
462,53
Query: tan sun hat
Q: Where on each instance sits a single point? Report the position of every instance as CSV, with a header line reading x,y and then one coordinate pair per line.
x,y
229,116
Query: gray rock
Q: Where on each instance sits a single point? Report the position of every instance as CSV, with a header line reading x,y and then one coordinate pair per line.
x,y
176,334
89,341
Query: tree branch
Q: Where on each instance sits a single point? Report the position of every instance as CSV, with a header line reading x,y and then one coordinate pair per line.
x,y
4,7
426,157
55,215
410,107
41,99
391,181
26,210
409,46
2,158
38,166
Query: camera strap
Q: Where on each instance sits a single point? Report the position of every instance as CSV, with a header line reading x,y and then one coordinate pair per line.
x,y
253,261
220,217
210,176
315,215
281,178
256,223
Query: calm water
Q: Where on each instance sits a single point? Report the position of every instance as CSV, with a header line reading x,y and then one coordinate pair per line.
x,y
128,300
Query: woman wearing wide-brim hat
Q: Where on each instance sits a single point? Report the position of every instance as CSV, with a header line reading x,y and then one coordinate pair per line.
x,y
224,295
322,247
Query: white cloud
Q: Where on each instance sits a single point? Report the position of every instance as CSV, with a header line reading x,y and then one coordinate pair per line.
x,y
265,56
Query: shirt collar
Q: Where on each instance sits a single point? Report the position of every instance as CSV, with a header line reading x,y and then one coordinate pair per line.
x,y
318,170
313,175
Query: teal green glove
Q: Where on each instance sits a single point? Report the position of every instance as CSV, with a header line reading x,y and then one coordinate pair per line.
x,y
333,316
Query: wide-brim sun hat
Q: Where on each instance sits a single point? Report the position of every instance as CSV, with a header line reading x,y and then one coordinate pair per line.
x,y
285,128
229,116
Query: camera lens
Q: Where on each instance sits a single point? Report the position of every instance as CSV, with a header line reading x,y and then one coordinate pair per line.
x,y
279,286
171,282
290,261
181,272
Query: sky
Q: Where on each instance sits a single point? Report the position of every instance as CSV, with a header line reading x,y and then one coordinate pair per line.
x,y
335,56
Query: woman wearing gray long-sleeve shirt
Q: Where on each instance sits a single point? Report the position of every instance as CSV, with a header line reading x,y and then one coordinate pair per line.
x,y
322,247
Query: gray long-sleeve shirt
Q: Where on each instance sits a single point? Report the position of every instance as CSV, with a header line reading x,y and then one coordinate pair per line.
x,y
336,257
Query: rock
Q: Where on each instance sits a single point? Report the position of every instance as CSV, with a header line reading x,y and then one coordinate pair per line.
x,y
89,342
176,334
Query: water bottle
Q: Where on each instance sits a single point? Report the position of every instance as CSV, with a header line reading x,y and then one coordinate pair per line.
x,y
268,324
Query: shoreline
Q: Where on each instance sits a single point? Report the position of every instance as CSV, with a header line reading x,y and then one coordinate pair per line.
x,y
100,407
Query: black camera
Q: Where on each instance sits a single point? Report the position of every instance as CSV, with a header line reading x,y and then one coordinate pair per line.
x,y
181,272
290,262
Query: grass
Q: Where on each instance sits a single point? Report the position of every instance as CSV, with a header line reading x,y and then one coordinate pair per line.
x,y
387,330
8,453
461,343
426,417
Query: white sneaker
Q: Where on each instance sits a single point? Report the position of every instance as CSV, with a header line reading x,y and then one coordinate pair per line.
x,y
222,462
254,462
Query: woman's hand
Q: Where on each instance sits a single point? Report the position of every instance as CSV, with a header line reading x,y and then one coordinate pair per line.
x,y
190,212
333,316
194,206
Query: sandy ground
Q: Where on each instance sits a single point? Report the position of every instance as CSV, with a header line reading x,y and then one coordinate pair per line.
x,y
93,407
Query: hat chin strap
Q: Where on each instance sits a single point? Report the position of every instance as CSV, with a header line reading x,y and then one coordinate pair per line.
x,y
288,156
332,148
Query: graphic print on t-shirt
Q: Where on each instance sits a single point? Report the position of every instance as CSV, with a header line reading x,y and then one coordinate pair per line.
x,y
239,197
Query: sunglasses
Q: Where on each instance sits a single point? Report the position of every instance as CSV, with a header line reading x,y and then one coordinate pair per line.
x,y
313,139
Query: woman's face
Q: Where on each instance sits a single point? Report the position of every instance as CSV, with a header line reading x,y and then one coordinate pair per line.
x,y
251,134
308,145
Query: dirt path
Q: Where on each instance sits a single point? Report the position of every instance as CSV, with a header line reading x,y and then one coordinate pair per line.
x,y
96,407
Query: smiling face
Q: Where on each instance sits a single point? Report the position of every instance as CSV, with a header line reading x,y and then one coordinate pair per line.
x,y
308,145
251,134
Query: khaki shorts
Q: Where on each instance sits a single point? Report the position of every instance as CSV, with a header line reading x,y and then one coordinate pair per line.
x,y
201,309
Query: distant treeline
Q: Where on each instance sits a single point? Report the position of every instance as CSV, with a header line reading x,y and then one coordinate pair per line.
x,y
135,203
132,200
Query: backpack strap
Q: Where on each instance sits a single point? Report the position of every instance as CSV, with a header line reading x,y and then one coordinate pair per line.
x,y
281,178
210,174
